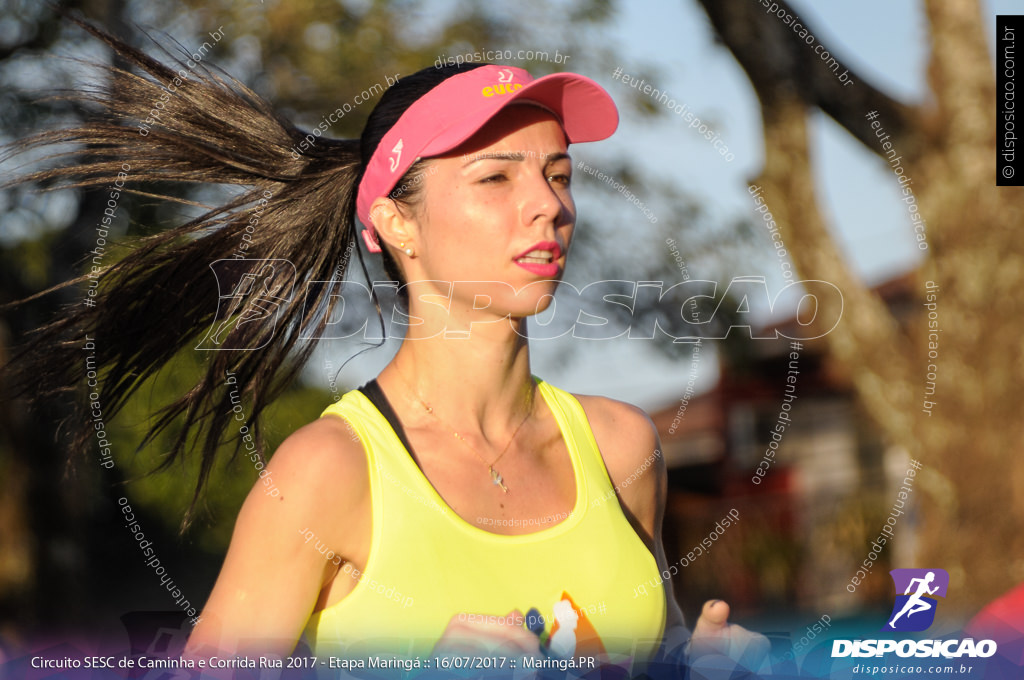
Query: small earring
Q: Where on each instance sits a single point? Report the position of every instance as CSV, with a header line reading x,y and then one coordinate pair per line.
x,y
407,251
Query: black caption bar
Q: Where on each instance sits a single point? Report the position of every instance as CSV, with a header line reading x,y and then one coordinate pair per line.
x,y
1008,162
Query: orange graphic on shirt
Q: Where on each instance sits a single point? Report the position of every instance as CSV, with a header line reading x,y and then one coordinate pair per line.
x,y
572,634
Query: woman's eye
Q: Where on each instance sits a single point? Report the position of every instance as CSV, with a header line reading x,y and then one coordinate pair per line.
x,y
492,179
559,178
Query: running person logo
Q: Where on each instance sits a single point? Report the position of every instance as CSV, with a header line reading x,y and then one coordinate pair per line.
x,y
572,633
914,610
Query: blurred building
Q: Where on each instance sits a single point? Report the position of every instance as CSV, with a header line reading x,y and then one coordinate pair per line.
x,y
807,525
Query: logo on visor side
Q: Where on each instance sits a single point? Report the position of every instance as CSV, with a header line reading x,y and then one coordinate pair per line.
x,y
396,155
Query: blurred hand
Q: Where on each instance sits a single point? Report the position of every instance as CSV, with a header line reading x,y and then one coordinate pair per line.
x,y
718,646
484,634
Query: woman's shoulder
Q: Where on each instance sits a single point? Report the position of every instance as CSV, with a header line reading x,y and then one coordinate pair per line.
x,y
316,481
322,465
325,447
626,426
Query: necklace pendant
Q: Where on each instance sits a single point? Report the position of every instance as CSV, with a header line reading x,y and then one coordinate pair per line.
x,y
496,478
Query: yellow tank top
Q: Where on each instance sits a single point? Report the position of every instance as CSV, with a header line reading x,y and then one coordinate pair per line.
x,y
426,564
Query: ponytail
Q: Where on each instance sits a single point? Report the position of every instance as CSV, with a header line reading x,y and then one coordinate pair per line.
x,y
297,212
244,281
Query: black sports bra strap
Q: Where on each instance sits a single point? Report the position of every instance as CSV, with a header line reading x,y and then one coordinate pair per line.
x,y
375,394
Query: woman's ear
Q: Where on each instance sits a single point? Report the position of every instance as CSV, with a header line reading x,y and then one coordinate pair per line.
x,y
391,224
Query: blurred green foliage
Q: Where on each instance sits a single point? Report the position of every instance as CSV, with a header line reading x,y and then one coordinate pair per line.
x,y
168,493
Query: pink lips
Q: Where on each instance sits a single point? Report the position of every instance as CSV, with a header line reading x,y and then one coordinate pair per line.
x,y
541,258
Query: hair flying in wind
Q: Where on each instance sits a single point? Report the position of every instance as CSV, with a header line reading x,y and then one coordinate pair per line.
x,y
161,298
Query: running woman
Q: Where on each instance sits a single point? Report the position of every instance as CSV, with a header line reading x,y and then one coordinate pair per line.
x,y
461,183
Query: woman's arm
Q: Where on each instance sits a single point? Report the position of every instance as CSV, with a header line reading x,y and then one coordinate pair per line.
x,y
627,439
275,569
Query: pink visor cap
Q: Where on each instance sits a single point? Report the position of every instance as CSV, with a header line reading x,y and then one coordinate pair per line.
x,y
455,110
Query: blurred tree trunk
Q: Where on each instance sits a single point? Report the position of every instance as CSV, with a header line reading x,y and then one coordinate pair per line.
x,y
971,488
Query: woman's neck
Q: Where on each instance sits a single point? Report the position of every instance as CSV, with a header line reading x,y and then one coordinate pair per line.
x,y
477,382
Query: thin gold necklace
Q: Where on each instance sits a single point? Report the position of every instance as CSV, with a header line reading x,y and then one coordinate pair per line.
x,y
496,477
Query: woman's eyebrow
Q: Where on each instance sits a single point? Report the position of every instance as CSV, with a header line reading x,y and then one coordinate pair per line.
x,y
558,156
516,156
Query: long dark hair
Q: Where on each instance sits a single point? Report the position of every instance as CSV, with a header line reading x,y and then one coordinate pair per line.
x,y
159,299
